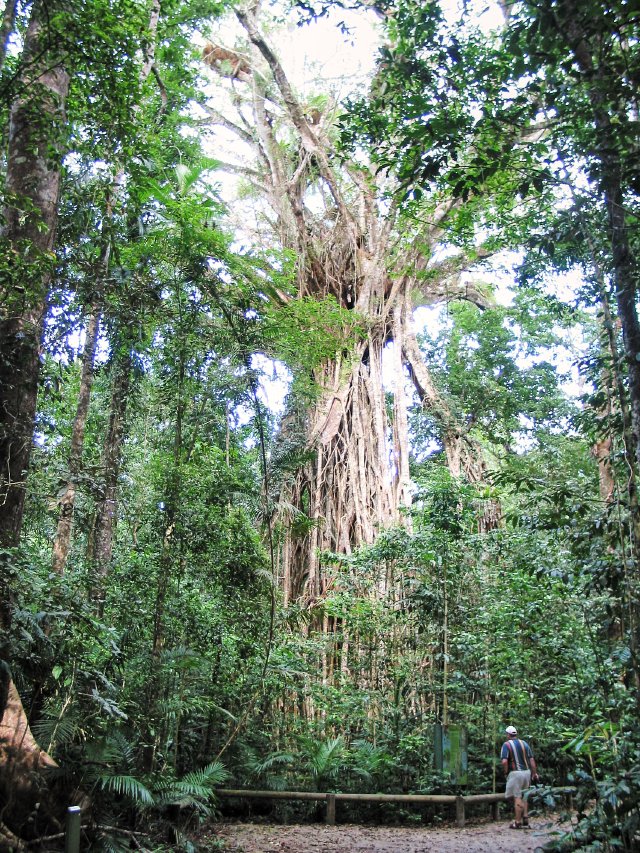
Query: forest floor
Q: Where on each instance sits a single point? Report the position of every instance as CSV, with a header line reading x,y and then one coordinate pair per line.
x,y
477,837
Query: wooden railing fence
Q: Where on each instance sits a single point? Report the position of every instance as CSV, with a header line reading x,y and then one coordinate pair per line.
x,y
72,835
459,801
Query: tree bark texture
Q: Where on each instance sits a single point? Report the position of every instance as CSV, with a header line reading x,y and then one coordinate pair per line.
x,y
36,138
67,500
21,760
35,147
356,481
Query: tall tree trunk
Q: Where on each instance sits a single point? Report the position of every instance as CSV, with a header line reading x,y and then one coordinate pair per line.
x,y
346,490
62,541
106,510
33,183
6,29
36,134
101,545
168,555
569,20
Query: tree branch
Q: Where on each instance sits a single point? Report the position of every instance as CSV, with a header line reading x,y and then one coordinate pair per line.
x,y
307,134
216,117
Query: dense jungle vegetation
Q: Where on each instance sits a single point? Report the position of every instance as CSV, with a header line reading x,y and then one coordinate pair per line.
x,y
203,583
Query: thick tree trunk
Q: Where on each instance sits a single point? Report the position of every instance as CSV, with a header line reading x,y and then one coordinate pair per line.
x,y
348,490
20,754
33,183
36,134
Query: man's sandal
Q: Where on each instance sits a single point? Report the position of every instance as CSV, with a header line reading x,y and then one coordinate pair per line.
x,y
515,825
525,823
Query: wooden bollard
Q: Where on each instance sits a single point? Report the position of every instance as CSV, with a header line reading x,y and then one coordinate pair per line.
x,y
460,811
495,811
72,830
331,810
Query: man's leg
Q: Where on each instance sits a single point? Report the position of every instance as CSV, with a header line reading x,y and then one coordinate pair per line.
x,y
510,800
520,809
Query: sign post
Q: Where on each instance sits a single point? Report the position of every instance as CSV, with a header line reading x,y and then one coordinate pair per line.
x,y
72,834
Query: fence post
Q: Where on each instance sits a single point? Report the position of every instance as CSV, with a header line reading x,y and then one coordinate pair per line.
x,y
331,810
72,834
459,811
495,810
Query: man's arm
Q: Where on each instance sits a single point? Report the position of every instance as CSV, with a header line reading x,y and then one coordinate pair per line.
x,y
505,766
534,769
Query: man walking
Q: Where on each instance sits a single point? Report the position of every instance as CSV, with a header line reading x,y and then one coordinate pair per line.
x,y
519,768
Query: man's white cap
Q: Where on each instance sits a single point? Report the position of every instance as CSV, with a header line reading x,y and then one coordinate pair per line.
x,y
511,730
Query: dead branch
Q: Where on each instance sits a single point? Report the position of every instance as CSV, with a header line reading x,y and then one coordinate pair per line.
x,y
227,63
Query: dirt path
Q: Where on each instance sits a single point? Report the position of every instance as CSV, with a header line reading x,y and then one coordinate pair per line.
x,y
349,838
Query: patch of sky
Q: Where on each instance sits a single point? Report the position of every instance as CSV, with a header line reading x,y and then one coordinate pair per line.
x,y
273,383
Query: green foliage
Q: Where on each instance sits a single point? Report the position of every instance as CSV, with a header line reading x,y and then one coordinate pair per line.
x,y
193,654
493,369
195,789
128,787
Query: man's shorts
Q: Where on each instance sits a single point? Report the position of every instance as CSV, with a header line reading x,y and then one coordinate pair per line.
x,y
517,782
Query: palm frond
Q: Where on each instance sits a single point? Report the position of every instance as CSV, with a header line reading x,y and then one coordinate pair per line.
x,y
215,772
116,749
53,729
259,767
127,786
196,788
327,757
